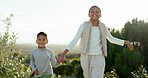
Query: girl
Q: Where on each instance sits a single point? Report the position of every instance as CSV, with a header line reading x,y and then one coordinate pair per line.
x,y
93,45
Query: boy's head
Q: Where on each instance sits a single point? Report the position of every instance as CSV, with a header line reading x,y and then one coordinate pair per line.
x,y
41,39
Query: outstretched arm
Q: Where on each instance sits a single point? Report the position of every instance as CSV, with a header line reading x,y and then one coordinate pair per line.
x,y
129,45
72,44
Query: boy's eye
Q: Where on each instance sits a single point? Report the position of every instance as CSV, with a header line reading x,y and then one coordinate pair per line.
x,y
42,39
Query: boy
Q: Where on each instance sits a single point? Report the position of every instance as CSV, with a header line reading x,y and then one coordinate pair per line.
x,y
42,59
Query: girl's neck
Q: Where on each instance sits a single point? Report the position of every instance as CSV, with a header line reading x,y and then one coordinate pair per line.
x,y
95,22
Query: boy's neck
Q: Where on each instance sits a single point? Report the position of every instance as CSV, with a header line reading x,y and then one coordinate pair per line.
x,y
41,47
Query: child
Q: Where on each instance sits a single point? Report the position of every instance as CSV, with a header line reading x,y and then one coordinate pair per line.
x,y
93,45
42,59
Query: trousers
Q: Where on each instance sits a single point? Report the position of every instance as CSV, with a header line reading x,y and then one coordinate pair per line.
x,y
93,65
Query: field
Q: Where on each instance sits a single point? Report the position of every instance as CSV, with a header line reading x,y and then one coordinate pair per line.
x,y
58,48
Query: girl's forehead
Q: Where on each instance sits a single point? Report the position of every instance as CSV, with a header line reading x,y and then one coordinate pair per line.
x,y
94,8
42,36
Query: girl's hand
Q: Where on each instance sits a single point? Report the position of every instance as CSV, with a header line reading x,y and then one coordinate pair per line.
x,y
36,72
60,58
129,45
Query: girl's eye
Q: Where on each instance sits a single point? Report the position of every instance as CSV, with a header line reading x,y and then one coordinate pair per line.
x,y
95,12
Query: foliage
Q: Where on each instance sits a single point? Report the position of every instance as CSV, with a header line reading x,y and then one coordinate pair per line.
x,y
111,74
64,70
141,73
136,32
11,65
126,62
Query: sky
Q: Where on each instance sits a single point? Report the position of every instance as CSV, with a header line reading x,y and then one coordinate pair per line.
x,y
60,19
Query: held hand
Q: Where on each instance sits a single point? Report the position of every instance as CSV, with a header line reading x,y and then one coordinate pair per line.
x,y
129,45
36,72
60,58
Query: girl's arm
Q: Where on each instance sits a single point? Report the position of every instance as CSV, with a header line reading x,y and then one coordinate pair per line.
x,y
118,41
112,39
72,43
75,40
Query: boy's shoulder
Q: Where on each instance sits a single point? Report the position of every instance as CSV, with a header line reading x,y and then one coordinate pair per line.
x,y
49,50
34,49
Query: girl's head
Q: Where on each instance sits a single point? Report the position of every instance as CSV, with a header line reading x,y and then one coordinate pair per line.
x,y
41,39
94,13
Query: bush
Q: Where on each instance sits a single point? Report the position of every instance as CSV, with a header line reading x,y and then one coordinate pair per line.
x,y
111,74
141,73
11,65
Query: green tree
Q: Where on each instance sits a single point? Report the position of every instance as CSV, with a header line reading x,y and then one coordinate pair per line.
x,y
136,32
126,62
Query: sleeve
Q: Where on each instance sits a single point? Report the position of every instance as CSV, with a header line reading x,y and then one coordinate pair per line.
x,y
112,39
76,38
53,59
32,62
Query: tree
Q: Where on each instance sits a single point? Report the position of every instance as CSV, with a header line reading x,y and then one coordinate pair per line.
x,y
136,32
126,62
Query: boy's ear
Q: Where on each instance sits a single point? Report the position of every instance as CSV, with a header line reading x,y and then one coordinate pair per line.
x,y
47,41
36,41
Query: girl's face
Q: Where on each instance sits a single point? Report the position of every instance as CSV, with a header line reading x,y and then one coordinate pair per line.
x,y
41,41
94,13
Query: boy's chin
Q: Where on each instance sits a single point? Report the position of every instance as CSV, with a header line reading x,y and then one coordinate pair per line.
x,y
41,46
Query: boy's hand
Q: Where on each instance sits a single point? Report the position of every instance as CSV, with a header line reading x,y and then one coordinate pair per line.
x,y
36,72
60,58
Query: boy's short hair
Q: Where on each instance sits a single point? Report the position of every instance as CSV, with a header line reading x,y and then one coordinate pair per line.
x,y
41,33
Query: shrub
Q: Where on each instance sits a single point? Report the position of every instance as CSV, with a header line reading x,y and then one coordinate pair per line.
x,y
141,73
11,65
111,74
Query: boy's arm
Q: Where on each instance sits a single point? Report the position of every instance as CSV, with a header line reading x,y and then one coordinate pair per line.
x,y
32,62
53,60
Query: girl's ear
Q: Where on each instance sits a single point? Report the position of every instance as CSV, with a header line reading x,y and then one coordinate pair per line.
x,y
100,15
88,15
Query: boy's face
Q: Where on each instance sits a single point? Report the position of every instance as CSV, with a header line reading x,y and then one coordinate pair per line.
x,y
41,41
94,13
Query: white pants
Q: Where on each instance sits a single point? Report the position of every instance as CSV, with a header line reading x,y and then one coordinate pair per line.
x,y
93,65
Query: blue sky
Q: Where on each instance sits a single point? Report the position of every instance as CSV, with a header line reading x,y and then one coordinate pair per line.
x,y
60,19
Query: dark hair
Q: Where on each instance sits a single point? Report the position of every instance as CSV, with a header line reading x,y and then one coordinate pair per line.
x,y
41,33
94,6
